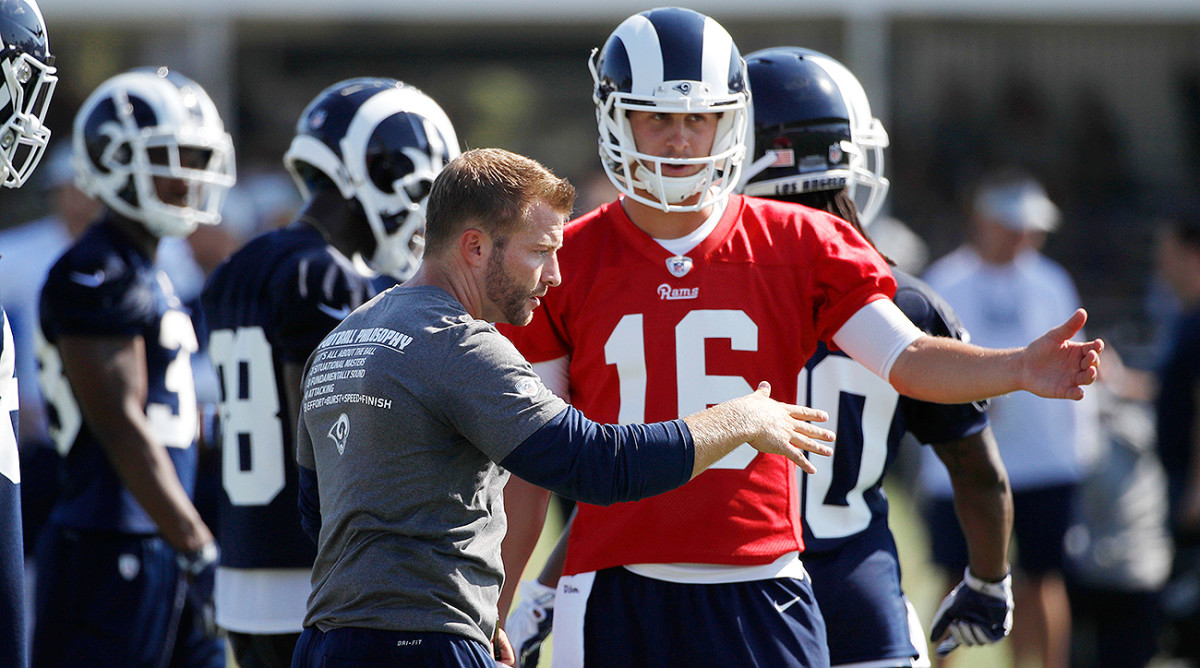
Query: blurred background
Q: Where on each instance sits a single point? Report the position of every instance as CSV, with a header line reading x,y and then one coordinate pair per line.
x,y
1099,99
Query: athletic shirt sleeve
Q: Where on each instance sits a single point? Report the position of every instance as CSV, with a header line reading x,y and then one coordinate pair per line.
x,y
95,295
604,464
491,394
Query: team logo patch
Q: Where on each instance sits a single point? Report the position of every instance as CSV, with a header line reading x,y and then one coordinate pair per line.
x,y
835,154
527,387
679,265
128,565
339,432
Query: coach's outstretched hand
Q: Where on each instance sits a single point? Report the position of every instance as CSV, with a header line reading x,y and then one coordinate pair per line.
x,y
976,612
766,424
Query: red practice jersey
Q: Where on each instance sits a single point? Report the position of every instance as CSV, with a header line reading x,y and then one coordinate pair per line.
x,y
653,337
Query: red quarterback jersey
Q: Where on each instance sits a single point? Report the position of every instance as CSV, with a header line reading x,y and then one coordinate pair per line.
x,y
652,336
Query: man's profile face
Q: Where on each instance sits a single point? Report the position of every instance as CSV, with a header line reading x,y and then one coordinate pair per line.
x,y
525,266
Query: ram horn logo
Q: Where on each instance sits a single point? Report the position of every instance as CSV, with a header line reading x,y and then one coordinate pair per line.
x,y
683,87
339,432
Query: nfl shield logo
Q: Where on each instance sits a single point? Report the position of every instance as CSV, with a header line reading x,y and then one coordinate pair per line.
x,y
679,265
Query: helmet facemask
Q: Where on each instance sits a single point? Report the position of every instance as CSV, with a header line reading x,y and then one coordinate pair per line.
x,y
624,83
144,126
28,86
392,149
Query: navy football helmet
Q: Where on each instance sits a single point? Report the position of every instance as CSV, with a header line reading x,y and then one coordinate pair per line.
x,y
382,143
813,130
28,83
670,60
152,123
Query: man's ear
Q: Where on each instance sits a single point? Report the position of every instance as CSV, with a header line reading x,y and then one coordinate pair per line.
x,y
475,246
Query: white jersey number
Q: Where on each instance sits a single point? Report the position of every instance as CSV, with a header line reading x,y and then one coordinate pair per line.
x,y
626,349
251,427
177,429
833,502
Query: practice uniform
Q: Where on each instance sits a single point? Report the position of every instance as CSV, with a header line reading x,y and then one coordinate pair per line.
x,y
106,579
267,306
12,554
653,335
849,549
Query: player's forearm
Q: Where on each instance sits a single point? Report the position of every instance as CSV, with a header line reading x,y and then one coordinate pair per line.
x,y
145,468
982,501
949,371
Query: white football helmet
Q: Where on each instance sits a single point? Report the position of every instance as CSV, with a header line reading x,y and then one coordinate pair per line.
x,y
25,90
813,130
382,143
149,124
670,60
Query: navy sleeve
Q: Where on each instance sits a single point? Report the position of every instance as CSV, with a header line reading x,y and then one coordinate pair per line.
x,y
603,463
310,504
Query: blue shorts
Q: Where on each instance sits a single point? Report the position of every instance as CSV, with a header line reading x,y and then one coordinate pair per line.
x,y
1040,520
370,648
632,620
858,589
119,597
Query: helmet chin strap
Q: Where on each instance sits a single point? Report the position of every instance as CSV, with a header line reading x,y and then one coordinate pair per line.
x,y
670,189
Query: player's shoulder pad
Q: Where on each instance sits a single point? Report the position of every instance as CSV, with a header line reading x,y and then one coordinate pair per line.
x,y
925,307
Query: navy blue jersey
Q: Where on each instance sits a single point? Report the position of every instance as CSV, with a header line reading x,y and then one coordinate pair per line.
x,y
12,555
845,497
103,286
268,305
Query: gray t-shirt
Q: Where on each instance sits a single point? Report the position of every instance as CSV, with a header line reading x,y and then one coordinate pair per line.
x,y
407,406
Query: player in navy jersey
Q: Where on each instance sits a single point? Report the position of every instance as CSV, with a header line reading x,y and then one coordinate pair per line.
x,y
364,156
126,563
27,80
816,143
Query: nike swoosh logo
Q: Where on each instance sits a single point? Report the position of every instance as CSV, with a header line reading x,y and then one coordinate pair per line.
x,y
91,280
785,606
335,313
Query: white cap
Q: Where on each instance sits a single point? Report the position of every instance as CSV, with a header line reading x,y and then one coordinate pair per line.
x,y
1019,204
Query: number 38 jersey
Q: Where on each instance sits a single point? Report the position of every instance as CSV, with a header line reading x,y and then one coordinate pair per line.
x,y
651,336
103,286
269,305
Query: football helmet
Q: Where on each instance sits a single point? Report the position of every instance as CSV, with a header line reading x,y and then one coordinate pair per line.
x,y
381,142
28,83
813,130
150,124
670,60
